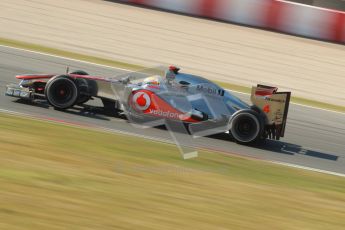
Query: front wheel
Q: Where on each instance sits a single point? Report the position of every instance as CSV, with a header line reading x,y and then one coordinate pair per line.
x,y
246,127
61,92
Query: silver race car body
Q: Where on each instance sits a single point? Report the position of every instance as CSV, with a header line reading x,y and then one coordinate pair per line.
x,y
161,93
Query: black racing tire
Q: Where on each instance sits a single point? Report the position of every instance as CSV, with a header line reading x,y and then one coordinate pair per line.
x,y
83,88
61,92
84,91
82,99
79,72
246,127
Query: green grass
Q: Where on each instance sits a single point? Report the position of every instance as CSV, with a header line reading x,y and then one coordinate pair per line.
x,y
118,64
58,177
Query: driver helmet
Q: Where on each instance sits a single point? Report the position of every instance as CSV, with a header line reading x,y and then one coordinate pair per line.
x,y
171,73
153,80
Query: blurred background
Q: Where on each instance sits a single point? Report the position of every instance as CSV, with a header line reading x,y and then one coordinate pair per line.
x,y
331,4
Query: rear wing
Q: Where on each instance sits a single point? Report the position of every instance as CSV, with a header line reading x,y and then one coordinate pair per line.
x,y
275,105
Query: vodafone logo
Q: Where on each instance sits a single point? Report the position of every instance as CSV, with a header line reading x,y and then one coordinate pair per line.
x,y
141,101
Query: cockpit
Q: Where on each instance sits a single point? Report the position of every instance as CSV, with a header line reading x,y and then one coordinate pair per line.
x,y
152,80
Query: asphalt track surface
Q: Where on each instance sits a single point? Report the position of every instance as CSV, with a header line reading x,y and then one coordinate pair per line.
x,y
314,138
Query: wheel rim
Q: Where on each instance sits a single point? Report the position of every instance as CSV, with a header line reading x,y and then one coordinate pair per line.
x,y
62,93
245,127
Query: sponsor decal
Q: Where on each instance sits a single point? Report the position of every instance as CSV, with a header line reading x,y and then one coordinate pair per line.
x,y
141,101
166,114
266,108
150,104
274,100
210,90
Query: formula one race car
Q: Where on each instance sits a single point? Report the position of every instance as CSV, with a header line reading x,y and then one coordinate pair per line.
x,y
166,94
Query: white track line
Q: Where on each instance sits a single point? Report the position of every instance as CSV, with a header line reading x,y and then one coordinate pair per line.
x,y
308,168
108,130
112,67
66,58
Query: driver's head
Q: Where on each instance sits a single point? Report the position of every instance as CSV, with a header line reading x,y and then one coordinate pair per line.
x,y
153,80
171,73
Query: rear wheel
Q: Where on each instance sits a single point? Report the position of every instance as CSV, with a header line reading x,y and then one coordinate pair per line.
x,y
61,92
246,127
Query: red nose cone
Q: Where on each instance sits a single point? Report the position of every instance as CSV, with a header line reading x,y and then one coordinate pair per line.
x,y
141,101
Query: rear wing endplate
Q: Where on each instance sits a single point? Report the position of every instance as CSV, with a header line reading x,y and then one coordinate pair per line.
x,y
275,105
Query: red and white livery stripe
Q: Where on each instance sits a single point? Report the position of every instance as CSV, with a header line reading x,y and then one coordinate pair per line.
x,y
282,16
